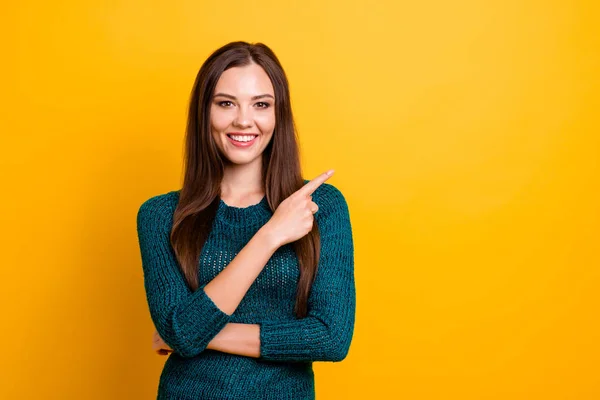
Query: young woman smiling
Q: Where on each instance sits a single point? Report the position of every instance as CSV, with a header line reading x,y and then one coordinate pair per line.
x,y
248,268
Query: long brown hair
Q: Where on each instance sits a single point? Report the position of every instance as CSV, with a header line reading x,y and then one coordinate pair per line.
x,y
204,166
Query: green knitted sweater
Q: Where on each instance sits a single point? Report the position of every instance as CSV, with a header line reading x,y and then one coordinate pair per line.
x,y
187,321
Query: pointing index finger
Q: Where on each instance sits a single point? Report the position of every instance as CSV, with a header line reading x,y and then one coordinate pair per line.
x,y
313,184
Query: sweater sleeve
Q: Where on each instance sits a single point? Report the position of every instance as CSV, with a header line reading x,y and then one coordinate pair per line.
x,y
326,332
187,321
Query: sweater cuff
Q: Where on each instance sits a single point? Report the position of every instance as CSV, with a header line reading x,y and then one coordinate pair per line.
x,y
202,311
290,340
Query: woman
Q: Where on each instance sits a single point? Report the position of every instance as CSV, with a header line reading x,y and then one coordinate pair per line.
x,y
245,298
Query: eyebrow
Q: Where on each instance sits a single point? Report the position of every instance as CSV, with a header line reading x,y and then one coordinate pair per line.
x,y
260,96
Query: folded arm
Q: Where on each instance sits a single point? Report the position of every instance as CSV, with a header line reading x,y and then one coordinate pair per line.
x,y
234,338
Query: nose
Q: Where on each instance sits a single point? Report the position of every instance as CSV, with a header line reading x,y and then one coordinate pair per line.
x,y
243,117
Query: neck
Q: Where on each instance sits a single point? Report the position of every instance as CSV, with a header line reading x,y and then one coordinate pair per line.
x,y
243,181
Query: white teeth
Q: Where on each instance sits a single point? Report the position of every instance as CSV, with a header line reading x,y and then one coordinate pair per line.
x,y
242,138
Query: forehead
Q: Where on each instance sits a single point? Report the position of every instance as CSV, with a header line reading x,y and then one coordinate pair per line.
x,y
246,81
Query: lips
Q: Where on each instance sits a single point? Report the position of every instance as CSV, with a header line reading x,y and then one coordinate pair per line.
x,y
242,144
241,134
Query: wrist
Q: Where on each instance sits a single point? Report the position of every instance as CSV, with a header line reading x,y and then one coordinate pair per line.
x,y
268,237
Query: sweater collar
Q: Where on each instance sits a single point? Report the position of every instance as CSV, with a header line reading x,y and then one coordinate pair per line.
x,y
255,213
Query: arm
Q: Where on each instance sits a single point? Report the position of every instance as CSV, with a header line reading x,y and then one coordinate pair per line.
x,y
325,334
234,338
187,321
240,339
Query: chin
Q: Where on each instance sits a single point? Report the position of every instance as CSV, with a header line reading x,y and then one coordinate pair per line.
x,y
241,158
240,162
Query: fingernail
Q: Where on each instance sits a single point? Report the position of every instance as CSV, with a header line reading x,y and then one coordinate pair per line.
x,y
330,172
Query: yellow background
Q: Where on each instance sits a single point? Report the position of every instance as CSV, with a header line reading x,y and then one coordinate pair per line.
x,y
464,135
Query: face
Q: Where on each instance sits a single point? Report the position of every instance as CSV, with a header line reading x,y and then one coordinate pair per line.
x,y
242,113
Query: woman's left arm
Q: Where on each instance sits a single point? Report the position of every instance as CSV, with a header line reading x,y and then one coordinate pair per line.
x,y
234,338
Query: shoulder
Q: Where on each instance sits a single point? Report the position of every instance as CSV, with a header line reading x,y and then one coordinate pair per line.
x,y
157,209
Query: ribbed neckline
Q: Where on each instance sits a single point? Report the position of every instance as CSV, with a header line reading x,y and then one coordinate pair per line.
x,y
253,213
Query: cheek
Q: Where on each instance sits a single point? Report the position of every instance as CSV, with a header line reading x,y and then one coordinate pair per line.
x,y
219,119
266,122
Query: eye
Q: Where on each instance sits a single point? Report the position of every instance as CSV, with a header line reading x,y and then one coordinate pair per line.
x,y
221,103
266,105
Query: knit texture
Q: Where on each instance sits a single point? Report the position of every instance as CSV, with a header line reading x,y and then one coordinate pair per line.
x,y
187,321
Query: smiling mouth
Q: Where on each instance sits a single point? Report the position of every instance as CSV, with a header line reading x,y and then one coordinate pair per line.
x,y
232,135
241,143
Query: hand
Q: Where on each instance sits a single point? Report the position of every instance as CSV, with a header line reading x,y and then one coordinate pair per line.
x,y
294,217
159,346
